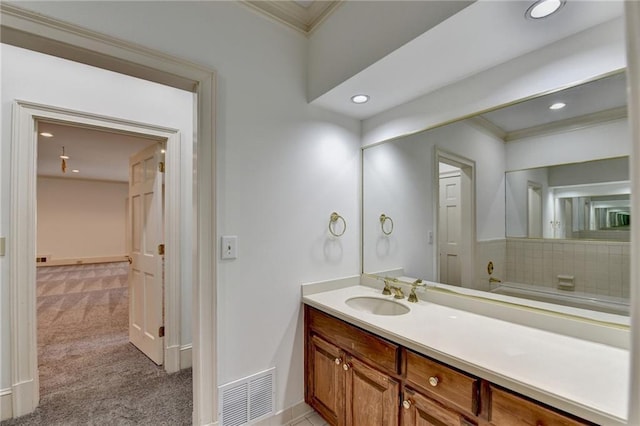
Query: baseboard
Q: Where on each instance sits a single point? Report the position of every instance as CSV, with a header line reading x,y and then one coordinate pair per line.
x,y
186,359
6,404
24,398
82,260
288,416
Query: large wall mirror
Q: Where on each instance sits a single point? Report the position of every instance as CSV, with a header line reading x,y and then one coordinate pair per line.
x,y
530,200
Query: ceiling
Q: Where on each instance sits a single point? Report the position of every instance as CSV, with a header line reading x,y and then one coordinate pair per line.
x,y
481,36
599,100
97,154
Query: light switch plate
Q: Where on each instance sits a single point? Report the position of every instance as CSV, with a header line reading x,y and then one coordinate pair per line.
x,y
229,247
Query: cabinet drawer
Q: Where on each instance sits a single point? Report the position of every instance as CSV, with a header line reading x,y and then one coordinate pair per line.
x,y
509,409
442,381
357,342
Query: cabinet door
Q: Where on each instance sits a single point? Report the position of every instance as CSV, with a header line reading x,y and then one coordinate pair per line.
x,y
418,410
372,397
325,380
509,409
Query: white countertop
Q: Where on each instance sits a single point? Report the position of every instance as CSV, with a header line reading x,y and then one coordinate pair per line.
x,y
585,378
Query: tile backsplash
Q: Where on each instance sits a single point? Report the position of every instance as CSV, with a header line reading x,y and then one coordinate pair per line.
x,y
597,267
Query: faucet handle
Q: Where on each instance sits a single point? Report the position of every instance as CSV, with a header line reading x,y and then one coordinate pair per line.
x,y
387,287
398,292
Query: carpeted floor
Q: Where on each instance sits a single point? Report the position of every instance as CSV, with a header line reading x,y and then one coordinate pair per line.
x,y
89,373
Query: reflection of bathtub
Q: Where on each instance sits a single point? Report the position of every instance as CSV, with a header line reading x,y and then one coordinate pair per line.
x,y
612,305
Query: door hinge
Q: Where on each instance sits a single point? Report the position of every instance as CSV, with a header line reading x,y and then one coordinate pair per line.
x,y
161,167
161,331
161,249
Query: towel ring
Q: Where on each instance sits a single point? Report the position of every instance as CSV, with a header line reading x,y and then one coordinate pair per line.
x,y
383,219
332,224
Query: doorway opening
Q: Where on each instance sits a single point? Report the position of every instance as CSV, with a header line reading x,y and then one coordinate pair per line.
x,y
100,203
455,216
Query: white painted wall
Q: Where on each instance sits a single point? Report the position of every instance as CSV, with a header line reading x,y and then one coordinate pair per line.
x,y
80,218
39,78
516,185
282,167
398,181
611,139
590,53
360,33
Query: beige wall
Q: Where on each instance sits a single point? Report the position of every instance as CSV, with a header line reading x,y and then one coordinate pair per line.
x,y
81,218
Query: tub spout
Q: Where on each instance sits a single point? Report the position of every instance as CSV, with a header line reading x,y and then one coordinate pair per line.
x,y
494,280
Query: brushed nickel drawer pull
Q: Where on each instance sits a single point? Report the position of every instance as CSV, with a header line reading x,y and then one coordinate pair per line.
x,y
433,381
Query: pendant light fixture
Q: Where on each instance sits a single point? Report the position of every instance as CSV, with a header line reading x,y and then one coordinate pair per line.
x,y
64,158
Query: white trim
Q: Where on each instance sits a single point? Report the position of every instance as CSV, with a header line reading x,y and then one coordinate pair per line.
x,y
23,220
80,260
632,12
33,31
186,357
6,403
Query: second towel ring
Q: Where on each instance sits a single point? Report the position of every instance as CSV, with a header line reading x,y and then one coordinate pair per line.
x,y
383,219
332,223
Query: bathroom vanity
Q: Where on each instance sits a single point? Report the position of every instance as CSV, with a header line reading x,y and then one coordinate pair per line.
x,y
436,365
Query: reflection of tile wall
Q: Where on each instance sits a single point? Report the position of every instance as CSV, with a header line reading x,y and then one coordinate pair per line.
x,y
494,251
597,267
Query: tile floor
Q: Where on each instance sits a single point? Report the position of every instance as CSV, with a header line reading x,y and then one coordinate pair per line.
x,y
313,419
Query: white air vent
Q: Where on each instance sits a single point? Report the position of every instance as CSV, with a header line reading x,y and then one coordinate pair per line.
x,y
249,399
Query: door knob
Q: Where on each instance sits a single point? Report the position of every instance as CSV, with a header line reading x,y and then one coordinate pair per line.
x,y
130,260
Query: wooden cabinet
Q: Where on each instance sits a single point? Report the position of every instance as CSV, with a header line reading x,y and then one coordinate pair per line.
x,y
509,409
325,381
355,378
443,383
419,410
371,396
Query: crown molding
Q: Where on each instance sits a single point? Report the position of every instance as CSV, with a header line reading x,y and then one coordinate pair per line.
x,y
294,15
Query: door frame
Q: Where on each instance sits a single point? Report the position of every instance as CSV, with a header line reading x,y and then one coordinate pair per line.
x,y
29,30
24,148
468,215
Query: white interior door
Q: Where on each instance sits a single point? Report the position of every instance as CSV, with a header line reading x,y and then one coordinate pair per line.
x,y
145,272
449,230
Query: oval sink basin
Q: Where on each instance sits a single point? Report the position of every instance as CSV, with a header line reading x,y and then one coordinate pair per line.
x,y
377,306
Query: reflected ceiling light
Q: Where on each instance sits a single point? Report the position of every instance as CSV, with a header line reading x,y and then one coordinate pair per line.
x,y
162,151
46,134
75,171
359,99
557,105
543,8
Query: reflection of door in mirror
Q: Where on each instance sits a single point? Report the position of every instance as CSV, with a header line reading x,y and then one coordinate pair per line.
x,y
455,215
534,210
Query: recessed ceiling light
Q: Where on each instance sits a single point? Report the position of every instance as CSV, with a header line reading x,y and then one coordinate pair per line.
x,y
75,171
162,151
46,134
543,8
360,99
558,105
64,157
